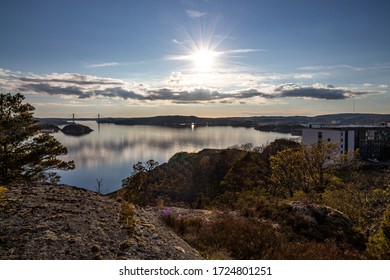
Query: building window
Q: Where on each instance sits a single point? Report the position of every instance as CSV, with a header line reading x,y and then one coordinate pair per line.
x,y
320,135
328,139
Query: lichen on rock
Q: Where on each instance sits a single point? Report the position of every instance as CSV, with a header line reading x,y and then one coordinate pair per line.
x,y
45,221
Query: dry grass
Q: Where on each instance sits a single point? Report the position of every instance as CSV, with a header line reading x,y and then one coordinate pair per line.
x,y
3,199
126,216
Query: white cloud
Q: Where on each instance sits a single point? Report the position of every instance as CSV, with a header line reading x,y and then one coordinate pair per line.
x,y
175,78
106,64
381,86
177,42
195,14
303,76
330,67
236,51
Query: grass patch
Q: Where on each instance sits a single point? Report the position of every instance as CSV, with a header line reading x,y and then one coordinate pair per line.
x,y
126,216
3,200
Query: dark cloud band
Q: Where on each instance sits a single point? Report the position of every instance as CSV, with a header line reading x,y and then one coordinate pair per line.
x,y
85,87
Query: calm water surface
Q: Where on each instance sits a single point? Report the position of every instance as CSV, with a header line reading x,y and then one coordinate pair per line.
x,y
109,152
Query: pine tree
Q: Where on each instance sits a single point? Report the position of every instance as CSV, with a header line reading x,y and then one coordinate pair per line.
x,y
26,154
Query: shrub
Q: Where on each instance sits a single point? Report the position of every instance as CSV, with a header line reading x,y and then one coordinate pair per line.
x,y
243,238
379,245
126,216
2,196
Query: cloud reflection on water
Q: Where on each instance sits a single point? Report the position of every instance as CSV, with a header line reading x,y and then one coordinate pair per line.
x,y
109,152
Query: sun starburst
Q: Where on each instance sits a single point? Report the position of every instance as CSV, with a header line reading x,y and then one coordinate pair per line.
x,y
204,59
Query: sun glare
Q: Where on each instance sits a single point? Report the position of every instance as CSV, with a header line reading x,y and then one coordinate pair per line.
x,y
204,60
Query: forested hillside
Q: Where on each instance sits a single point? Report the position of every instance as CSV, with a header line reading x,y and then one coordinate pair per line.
x,y
281,201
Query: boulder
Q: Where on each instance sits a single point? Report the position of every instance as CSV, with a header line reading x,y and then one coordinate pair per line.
x,y
321,223
321,215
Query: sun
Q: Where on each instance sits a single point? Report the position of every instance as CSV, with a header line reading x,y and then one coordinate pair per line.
x,y
204,59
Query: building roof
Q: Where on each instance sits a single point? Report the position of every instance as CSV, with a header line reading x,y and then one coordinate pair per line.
x,y
347,127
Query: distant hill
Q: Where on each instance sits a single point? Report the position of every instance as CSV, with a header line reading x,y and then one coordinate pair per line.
x,y
185,121
284,124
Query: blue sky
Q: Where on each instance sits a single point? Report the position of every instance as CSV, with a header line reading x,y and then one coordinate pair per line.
x,y
204,57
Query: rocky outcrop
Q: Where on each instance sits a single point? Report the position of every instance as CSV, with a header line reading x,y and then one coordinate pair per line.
x,y
321,223
43,221
76,129
153,240
321,215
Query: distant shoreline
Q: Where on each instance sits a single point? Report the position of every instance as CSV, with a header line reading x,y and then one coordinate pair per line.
x,y
284,124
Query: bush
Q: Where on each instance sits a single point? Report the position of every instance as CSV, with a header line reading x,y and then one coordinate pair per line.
x,y
2,196
126,216
379,245
243,238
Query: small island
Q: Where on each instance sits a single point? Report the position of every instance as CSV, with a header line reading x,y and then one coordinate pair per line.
x,y
76,129
49,128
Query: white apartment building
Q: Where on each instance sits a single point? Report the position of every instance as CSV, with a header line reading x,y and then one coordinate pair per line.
x,y
343,138
373,142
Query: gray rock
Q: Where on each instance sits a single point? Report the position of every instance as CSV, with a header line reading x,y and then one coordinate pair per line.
x,y
43,221
321,215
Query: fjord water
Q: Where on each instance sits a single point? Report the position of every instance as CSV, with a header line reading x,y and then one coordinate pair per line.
x,y
109,152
